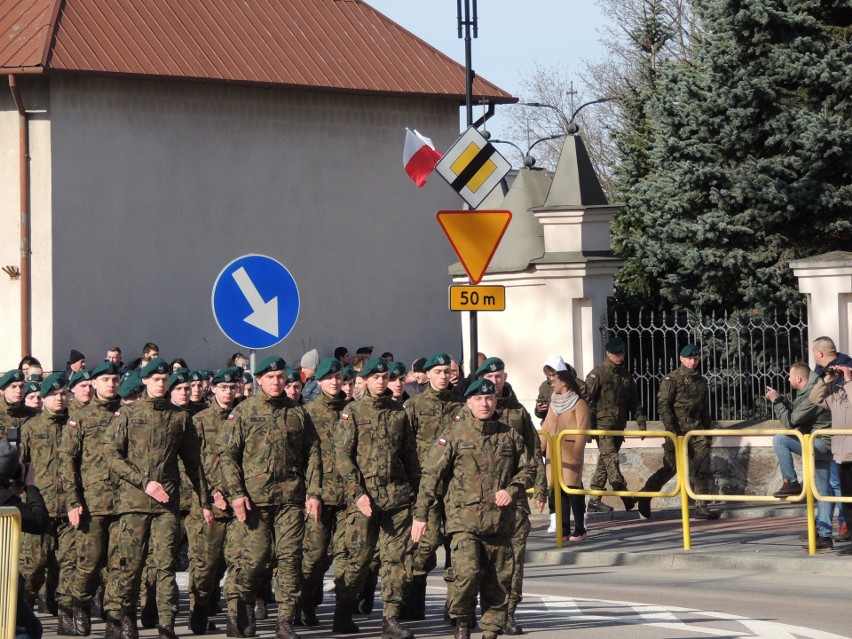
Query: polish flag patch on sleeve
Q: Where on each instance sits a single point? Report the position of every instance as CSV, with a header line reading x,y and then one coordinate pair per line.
x,y
72,423
344,416
442,441
230,417
117,413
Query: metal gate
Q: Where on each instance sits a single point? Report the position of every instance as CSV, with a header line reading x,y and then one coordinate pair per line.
x,y
741,353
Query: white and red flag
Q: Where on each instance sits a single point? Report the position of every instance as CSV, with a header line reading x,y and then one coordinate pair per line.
x,y
419,157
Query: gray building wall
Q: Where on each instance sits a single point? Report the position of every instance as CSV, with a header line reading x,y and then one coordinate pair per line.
x,y
156,186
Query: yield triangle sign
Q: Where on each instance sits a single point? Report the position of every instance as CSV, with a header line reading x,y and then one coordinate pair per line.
x,y
474,236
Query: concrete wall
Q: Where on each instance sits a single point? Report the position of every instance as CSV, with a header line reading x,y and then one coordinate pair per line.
x,y
157,186
36,97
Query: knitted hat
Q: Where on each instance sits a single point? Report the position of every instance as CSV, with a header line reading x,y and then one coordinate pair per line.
x,y
75,356
311,359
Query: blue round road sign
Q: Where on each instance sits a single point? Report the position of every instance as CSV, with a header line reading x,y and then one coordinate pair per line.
x,y
255,301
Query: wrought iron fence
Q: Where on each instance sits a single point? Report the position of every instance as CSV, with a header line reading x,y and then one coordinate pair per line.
x,y
741,353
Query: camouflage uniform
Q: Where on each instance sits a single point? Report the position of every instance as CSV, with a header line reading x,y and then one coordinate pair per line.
x,y
376,455
328,533
88,484
143,442
52,554
682,404
13,416
269,453
206,543
612,395
511,412
430,414
475,460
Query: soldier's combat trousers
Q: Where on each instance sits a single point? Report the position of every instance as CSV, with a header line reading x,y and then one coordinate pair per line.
x,y
50,559
323,543
206,555
391,530
519,549
698,451
482,566
268,531
92,547
131,536
425,556
607,468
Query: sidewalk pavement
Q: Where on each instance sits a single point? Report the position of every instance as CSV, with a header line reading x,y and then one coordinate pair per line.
x,y
756,537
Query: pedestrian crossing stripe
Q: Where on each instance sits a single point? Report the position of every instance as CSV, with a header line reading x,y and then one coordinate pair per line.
x,y
473,167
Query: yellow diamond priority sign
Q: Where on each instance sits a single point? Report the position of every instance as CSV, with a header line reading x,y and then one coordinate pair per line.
x,y
473,167
474,236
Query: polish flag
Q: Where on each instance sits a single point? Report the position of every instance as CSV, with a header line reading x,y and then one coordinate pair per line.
x,y
419,156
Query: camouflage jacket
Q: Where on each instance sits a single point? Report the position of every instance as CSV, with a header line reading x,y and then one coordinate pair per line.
x,y
612,396
511,412
144,441
40,447
82,454
14,416
269,452
76,408
376,452
186,491
430,413
325,414
682,401
475,460
208,426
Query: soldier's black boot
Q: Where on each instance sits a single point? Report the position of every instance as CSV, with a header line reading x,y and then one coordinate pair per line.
x,y
166,631
128,626
82,620
150,617
512,628
65,623
414,604
112,630
392,630
260,609
307,614
629,502
597,506
343,609
367,598
284,630
246,621
462,631
98,603
198,619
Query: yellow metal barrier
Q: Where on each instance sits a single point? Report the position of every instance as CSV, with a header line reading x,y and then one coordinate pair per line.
x,y
807,472
10,543
556,456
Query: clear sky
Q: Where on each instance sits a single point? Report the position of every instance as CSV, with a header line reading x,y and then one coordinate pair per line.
x,y
514,36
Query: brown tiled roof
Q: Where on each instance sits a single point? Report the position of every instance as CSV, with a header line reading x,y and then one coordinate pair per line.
x,y
333,45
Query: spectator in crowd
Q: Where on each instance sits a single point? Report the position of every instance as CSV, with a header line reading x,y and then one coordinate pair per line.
x,y
421,380
358,385
149,352
29,365
341,354
76,362
177,364
832,392
455,372
310,362
113,355
806,417
365,350
552,365
238,359
387,356
464,382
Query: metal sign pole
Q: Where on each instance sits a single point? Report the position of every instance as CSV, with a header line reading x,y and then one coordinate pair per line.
x,y
253,369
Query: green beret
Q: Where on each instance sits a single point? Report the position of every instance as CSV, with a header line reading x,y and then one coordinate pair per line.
x,y
348,373
36,377
328,366
157,366
130,385
54,382
438,359
397,370
107,368
615,346
208,374
480,387
80,376
229,374
247,378
292,375
491,365
690,350
14,375
32,387
197,376
271,363
180,376
373,366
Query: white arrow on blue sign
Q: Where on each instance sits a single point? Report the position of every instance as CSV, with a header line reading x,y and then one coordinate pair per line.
x,y
255,301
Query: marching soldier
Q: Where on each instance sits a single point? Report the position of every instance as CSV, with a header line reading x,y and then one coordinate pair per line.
x,y
13,411
484,465
512,413
272,473
430,413
208,543
376,456
90,489
80,386
612,395
682,404
52,555
144,441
